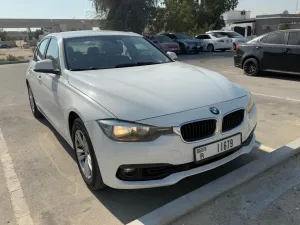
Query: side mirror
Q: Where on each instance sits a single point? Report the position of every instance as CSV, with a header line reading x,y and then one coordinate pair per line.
x,y
45,66
172,55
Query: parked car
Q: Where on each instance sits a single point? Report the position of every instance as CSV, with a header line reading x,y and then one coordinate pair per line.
x,y
236,37
165,43
139,120
4,46
215,41
186,43
275,52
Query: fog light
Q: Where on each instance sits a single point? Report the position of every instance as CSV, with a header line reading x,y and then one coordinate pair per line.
x,y
128,170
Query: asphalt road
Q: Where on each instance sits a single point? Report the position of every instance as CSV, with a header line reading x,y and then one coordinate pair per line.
x,y
52,186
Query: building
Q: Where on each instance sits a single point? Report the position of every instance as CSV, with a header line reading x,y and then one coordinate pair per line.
x,y
235,15
266,23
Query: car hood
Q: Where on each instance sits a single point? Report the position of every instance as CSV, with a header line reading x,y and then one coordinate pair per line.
x,y
137,93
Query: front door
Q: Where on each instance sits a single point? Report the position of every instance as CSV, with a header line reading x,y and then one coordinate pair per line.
x,y
292,53
272,51
50,84
35,78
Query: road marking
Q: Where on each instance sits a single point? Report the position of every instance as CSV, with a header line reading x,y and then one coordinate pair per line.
x,y
278,97
263,147
21,211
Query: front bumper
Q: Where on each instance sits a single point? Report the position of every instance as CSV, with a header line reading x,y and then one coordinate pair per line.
x,y
168,150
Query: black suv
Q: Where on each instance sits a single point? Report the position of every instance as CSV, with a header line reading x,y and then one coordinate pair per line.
x,y
275,52
186,43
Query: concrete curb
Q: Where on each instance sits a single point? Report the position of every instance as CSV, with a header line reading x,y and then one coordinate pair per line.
x,y
187,203
13,62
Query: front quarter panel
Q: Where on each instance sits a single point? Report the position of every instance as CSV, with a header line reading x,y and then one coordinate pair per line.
x,y
72,100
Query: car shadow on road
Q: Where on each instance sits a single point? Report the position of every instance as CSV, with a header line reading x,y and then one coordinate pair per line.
x,y
59,138
128,205
280,76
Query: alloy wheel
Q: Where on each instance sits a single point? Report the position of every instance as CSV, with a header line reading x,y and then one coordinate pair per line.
x,y
83,154
250,68
210,48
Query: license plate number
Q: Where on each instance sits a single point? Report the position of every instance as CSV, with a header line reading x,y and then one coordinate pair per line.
x,y
206,151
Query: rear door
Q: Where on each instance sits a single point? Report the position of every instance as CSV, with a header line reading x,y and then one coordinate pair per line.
x,y
272,51
292,53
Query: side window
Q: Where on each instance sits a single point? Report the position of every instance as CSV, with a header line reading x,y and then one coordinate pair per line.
x,y
207,37
264,39
53,53
294,38
276,38
40,52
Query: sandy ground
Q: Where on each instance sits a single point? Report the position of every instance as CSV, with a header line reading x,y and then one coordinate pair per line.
x,y
17,52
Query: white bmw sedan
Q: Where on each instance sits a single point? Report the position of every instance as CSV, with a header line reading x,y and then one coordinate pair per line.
x,y
134,116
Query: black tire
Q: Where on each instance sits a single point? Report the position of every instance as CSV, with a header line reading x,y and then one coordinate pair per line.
x,y
183,49
95,182
210,48
251,67
35,111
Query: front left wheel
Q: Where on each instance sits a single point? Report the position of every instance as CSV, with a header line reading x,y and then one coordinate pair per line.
x,y
85,156
35,111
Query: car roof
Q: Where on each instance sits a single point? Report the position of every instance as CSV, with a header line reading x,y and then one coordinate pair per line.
x,y
73,34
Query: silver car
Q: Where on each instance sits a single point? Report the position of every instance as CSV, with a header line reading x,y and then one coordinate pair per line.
x,y
235,37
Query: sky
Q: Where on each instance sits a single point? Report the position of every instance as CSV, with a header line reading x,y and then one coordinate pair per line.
x,y
82,9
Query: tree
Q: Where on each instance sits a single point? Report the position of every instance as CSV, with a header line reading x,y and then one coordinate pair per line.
x,y
127,15
2,34
188,16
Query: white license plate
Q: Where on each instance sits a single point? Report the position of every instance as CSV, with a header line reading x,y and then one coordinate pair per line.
x,y
207,151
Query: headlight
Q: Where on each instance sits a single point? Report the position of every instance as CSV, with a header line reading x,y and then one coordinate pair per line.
x,y
250,105
132,132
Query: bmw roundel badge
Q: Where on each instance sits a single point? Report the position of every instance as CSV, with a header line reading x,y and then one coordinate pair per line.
x,y
214,110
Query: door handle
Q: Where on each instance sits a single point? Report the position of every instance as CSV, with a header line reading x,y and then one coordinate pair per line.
x,y
287,50
258,48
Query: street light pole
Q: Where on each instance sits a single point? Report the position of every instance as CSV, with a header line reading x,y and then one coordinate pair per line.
x,y
297,6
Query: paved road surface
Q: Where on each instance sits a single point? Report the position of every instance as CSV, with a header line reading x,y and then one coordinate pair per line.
x,y
49,177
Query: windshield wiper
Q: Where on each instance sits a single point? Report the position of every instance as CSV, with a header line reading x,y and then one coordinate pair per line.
x,y
136,64
91,68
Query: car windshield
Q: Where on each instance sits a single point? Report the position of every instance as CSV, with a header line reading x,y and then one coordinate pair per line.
x,y
115,51
231,34
183,36
163,39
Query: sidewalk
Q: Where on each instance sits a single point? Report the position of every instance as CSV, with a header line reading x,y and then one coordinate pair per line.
x,y
272,198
